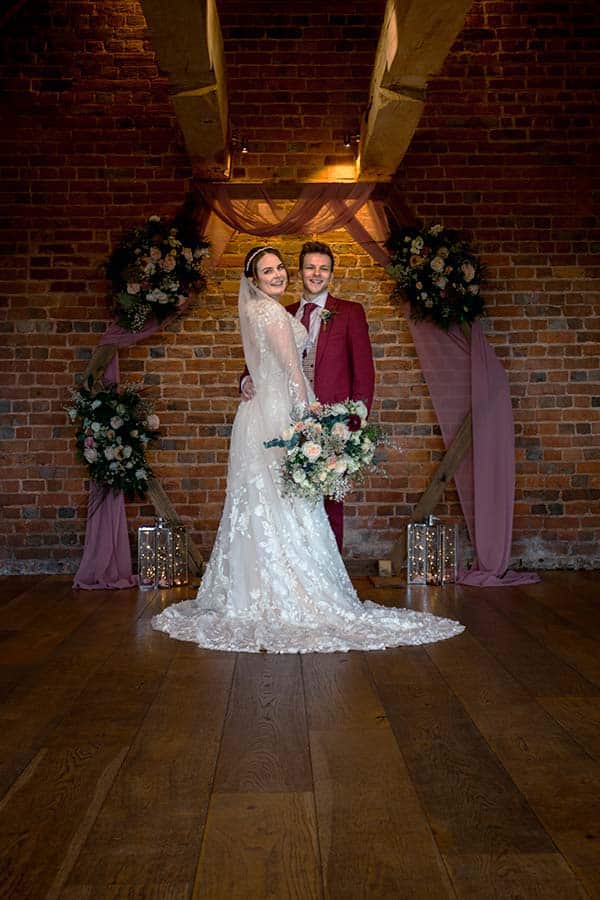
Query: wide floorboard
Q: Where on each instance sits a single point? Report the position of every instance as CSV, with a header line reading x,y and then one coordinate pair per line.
x,y
135,766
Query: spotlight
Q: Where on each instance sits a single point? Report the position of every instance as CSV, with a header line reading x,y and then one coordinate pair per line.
x,y
350,139
243,145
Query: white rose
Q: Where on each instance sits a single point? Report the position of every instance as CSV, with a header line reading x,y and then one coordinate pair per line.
x,y
288,433
299,476
154,219
360,409
90,454
140,474
468,270
340,466
116,422
417,244
340,430
152,422
96,426
127,451
157,296
109,452
311,451
437,264
339,409
436,229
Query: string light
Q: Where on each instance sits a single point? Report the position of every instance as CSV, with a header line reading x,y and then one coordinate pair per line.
x,y
431,556
162,555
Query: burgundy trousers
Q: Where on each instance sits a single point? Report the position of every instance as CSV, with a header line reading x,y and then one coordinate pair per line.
x,y
335,514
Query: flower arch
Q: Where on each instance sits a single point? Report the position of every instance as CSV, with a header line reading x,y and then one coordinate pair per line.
x,y
467,383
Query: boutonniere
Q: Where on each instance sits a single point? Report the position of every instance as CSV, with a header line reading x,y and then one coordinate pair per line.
x,y
326,316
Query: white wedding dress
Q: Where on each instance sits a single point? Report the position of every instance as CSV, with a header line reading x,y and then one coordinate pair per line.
x,y
275,580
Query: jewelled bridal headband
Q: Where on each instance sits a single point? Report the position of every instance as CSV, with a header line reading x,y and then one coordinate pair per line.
x,y
256,252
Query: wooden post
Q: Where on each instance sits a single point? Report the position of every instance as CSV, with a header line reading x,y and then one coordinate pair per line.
x,y
433,493
97,365
436,487
165,508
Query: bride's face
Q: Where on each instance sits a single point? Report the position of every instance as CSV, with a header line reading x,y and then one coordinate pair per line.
x,y
271,276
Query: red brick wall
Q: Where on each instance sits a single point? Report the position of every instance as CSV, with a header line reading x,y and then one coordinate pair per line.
x,y
503,151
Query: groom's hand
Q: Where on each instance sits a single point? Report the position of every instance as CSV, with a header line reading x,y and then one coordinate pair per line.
x,y
247,388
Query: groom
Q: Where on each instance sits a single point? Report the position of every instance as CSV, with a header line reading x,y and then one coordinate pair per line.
x,y
338,360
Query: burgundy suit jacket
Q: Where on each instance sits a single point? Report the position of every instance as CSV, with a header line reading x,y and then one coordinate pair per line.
x,y
343,361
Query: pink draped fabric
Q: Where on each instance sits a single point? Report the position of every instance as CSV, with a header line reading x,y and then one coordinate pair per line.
x,y
106,560
320,207
460,376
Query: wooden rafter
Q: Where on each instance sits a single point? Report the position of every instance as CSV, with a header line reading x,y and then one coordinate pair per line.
x,y
186,36
414,42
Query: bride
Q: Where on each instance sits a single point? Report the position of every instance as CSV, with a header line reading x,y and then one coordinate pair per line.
x,y
275,580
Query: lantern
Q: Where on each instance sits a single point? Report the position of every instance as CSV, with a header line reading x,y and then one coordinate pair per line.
x,y
162,555
431,556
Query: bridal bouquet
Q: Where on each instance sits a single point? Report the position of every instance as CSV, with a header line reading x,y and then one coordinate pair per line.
x,y
114,428
329,449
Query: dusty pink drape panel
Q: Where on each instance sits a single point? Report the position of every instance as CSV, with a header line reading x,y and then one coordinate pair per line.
x,y
106,560
462,376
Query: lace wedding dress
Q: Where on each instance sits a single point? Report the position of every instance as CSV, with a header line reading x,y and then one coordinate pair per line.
x,y
275,580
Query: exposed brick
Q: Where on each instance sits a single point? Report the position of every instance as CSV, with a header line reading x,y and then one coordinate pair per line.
x,y
503,153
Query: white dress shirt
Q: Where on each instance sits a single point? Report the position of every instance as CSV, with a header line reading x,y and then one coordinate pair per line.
x,y
315,316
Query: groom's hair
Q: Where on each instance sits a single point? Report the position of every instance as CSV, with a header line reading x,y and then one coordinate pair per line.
x,y
315,247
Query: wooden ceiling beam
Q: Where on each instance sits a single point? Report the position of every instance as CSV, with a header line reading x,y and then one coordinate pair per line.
x,y
415,39
187,39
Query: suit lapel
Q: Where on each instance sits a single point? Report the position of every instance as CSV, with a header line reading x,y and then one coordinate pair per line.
x,y
325,330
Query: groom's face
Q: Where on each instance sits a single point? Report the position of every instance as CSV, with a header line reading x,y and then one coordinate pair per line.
x,y
316,273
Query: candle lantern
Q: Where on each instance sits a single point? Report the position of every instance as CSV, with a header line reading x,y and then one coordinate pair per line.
x,y
431,556
162,555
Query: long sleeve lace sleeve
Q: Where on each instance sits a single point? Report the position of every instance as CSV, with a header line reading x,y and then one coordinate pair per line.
x,y
280,342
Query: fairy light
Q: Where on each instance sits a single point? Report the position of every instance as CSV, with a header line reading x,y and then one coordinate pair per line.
x,y
431,552
162,555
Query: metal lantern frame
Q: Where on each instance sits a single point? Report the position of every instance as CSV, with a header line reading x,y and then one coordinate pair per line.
x,y
431,552
162,555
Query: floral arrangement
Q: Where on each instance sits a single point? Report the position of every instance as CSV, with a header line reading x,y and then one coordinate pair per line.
x,y
154,269
114,428
329,449
439,273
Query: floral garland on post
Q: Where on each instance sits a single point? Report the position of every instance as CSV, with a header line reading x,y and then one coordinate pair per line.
x,y
154,269
439,274
114,428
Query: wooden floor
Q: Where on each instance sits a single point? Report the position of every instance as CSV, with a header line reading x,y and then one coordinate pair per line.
x,y
135,766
